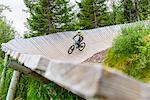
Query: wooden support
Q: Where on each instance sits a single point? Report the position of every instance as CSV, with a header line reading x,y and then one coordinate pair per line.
x,y
28,72
3,72
96,82
13,86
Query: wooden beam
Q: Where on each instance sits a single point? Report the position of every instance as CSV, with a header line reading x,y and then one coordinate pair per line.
x,y
13,86
14,65
95,82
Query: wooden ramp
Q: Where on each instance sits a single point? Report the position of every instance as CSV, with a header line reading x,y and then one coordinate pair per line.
x,y
55,46
47,55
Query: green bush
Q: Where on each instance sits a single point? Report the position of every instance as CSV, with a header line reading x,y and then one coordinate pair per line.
x,y
130,52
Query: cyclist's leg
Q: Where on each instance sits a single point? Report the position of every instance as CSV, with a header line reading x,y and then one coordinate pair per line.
x,y
78,43
81,39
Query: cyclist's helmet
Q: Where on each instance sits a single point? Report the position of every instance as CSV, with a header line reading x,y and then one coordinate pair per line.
x,y
80,32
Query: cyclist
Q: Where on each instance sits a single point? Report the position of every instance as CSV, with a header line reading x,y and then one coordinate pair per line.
x,y
78,38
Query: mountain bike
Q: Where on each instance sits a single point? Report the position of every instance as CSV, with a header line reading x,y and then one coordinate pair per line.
x,y
77,45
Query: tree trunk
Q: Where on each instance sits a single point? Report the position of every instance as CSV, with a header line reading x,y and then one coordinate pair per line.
x,y
136,10
95,18
49,19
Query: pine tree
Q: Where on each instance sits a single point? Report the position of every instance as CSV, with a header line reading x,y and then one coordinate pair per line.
x,y
6,31
40,21
144,9
135,10
128,10
116,15
63,15
93,13
49,16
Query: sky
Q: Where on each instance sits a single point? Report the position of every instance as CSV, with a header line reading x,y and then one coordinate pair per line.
x,y
17,16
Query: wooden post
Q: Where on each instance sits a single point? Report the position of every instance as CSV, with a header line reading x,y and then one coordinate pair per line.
x,y
13,86
3,72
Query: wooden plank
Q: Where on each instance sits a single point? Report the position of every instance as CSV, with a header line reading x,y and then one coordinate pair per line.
x,y
93,81
28,72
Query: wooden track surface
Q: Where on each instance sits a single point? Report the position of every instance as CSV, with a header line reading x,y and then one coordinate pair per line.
x,y
55,46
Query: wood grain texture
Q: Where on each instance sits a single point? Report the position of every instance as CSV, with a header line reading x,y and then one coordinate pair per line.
x,y
93,81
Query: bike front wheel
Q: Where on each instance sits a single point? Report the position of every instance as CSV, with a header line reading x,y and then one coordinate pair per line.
x,y
70,50
82,46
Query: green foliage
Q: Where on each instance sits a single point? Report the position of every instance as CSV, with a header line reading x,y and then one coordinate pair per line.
x,y
40,22
116,15
49,16
63,15
6,31
93,13
130,52
125,11
128,10
144,9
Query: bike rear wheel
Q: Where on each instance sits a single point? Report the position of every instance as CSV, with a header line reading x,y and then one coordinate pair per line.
x,y
82,46
70,50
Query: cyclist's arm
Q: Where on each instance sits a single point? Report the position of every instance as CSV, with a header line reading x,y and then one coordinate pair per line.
x,y
75,36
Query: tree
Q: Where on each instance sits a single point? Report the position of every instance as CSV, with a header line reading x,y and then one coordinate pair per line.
x,y
135,10
116,15
49,16
128,10
6,31
144,9
40,21
63,15
93,13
